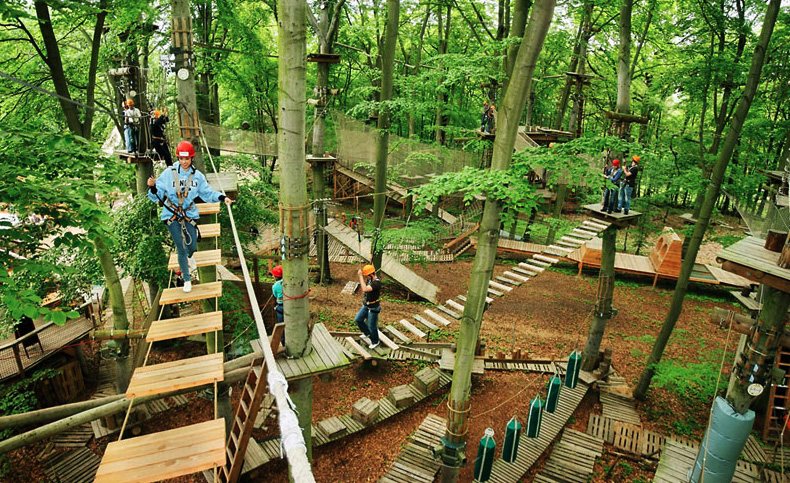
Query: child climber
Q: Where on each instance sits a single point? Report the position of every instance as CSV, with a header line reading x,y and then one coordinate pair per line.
x,y
176,190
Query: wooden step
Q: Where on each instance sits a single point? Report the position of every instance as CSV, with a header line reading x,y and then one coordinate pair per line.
x,y
562,249
515,276
411,328
528,273
597,225
546,259
537,263
202,258
554,251
163,455
199,291
495,293
209,230
397,334
574,241
582,234
533,267
566,245
455,305
427,323
511,281
184,326
449,312
462,298
207,208
358,347
172,376
387,341
438,318
499,286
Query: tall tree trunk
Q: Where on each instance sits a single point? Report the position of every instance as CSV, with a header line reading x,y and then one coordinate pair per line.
x,y
382,140
293,196
712,193
520,14
624,68
415,71
578,95
562,105
441,95
511,108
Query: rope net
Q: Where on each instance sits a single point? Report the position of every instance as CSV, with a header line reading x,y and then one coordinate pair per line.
x,y
409,161
762,217
239,141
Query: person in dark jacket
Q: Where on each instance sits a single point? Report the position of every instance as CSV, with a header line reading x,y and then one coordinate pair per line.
x,y
613,185
158,137
628,185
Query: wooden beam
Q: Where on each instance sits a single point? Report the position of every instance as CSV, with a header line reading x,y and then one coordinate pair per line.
x,y
757,275
741,323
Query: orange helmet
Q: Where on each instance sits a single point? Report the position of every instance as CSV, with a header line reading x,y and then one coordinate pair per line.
x,y
277,271
368,269
636,158
130,102
185,150
157,113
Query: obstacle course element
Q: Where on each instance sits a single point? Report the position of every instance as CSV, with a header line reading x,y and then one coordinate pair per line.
x,y
415,463
572,459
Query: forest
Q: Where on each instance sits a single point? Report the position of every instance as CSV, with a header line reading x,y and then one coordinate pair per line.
x,y
462,150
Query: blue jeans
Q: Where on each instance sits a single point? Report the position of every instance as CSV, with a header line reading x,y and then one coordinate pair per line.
x,y
128,133
625,197
184,252
612,205
367,320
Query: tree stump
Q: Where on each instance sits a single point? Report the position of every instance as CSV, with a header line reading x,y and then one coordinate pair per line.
x,y
784,257
775,240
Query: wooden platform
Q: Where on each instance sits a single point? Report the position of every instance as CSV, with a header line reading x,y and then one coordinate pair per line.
x,y
531,449
619,219
678,458
415,462
203,258
172,376
184,326
166,454
619,408
199,291
749,259
389,266
572,458
52,337
77,466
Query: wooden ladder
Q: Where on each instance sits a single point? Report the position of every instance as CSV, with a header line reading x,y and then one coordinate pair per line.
x,y
249,405
778,399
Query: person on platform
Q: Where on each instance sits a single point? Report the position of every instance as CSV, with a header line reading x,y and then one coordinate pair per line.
x,y
176,190
277,293
131,125
607,171
484,117
367,318
158,137
491,126
628,185
613,185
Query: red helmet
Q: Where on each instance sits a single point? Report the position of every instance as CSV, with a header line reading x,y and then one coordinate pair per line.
x,y
277,271
185,150
616,162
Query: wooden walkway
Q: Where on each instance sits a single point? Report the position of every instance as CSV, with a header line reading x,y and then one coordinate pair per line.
x,y
389,265
572,458
53,338
264,451
531,449
415,463
678,458
77,466
619,408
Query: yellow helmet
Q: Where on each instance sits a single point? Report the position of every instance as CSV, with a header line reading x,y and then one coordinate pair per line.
x,y
368,269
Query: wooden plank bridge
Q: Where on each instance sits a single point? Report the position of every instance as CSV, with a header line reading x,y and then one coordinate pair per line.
x,y
415,463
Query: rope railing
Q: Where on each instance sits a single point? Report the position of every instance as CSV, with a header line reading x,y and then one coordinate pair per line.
x,y
292,440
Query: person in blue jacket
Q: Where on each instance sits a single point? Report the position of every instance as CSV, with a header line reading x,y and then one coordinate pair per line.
x,y
179,212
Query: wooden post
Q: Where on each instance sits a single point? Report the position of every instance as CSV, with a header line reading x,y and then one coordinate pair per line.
x,y
603,309
784,257
18,360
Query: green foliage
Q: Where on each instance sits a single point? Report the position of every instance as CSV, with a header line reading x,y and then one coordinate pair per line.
x,y
20,397
51,184
142,240
234,317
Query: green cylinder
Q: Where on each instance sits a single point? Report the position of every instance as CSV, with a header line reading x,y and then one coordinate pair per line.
x,y
553,396
574,366
535,417
512,438
485,457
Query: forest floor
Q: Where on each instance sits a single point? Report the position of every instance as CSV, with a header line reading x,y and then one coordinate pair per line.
x,y
546,317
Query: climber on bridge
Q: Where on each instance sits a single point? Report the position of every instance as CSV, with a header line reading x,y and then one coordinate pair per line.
x,y
179,186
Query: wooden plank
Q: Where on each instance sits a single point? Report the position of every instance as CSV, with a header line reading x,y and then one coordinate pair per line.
x,y
207,208
455,305
462,298
209,230
425,322
387,341
530,265
516,276
499,286
430,313
199,292
525,273
505,279
203,258
398,334
495,293
411,328
357,347
166,454
449,312
172,376
184,326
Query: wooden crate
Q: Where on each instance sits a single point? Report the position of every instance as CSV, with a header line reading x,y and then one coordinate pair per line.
x,y
332,427
427,380
365,411
65,387
401,396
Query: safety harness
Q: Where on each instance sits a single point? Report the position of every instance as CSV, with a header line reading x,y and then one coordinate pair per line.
x,y
179,212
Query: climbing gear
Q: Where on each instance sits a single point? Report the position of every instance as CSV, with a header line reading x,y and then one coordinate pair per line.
x,y
368,269
277,271
185,150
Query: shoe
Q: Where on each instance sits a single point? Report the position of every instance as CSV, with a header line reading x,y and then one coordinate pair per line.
x,y
373,346
187,286
625,212
193,266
